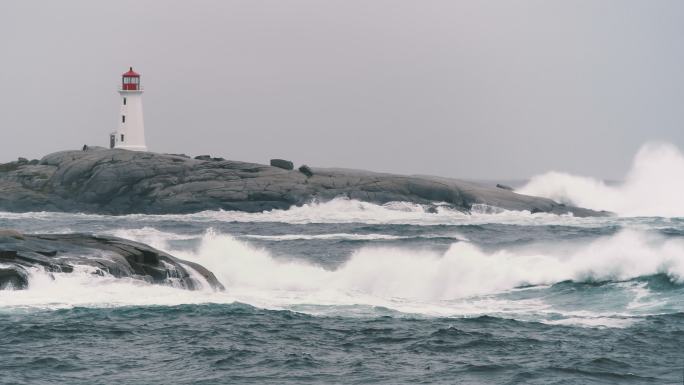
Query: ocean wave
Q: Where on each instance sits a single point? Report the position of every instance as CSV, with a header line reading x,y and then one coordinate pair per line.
x,y
160,239
147,234
86,287
349,237
652,187
465,280
464,270
339,210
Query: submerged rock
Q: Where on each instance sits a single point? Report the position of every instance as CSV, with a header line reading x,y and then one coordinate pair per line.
x,y
113,256
116,181
11,234
13,278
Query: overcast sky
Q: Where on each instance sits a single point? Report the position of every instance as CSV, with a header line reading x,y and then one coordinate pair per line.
x,y
475,89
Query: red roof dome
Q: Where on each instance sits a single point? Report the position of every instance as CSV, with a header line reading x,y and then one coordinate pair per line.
x,y
131,73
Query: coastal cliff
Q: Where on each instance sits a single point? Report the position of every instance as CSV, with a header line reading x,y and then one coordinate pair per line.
x,y
118,181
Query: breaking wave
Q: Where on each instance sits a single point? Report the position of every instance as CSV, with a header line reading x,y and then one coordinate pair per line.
x,y
348,237
464,280
464,270
339,210
652,187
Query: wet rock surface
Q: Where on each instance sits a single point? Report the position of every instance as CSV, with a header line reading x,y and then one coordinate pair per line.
x,y
115,181
120,258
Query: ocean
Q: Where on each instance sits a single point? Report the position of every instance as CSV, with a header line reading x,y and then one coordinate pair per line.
x,y
352,292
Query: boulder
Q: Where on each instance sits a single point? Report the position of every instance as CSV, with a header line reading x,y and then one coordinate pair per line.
x,y
203,157
306,170
282,163
181,155
504,187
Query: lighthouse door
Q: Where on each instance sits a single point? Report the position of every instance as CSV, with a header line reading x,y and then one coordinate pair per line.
x,y
112,140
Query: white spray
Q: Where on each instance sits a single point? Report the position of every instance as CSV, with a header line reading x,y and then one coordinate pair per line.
x,y
653,186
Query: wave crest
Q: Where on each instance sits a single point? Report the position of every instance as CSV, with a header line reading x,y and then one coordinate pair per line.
x,y
463,270
465,280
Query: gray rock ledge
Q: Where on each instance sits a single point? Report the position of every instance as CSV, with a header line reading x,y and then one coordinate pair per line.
x,y
118,181
120,258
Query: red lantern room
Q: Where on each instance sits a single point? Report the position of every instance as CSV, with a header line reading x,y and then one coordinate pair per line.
x,y
130,80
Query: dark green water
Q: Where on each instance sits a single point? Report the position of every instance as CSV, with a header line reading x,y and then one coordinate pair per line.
x,y
208,344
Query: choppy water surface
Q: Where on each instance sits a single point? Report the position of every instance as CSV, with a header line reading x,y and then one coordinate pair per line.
x,y
350,292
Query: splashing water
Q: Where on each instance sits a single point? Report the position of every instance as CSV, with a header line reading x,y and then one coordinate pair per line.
x,y
463,280
463,270
652,187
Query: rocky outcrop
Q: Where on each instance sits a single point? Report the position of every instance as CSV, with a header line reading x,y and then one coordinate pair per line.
x,y
122,182
60,253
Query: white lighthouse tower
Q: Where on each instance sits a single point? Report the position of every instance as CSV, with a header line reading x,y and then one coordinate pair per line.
x,y
131,132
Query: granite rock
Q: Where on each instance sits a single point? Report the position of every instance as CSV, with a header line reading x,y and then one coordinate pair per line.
x,y
116,181
121,258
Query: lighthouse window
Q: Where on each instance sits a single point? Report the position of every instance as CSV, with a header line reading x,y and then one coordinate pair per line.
x,y
122,137
127,80
123,118
124,101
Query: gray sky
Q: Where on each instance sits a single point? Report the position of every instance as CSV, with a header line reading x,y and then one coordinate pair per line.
x,y
476,89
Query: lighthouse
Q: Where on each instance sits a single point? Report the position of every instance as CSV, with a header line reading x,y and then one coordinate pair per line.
x,y
131,132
